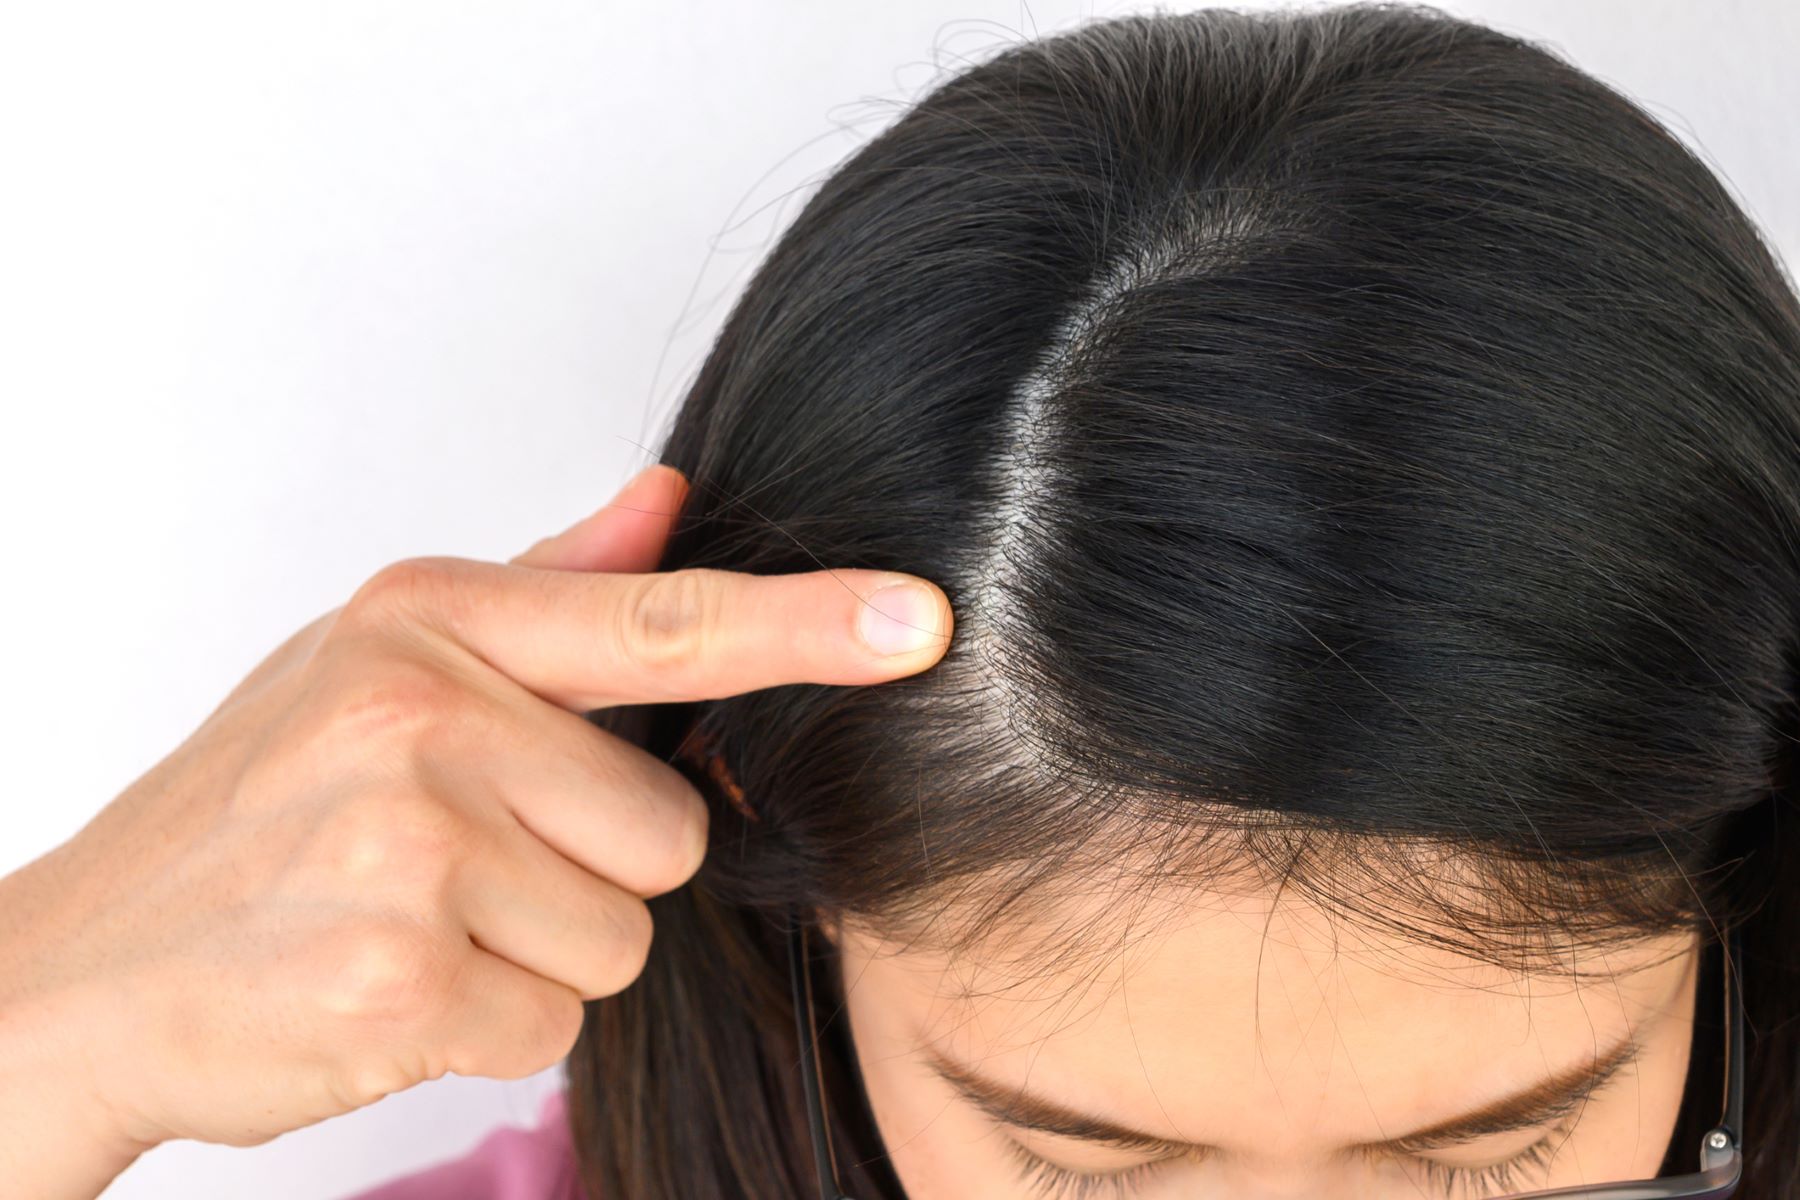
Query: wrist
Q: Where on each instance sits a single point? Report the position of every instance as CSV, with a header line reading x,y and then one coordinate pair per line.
x,y
59,1136
58,1139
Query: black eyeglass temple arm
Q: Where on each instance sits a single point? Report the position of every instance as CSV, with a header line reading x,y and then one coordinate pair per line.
x,y
824,1159
1734,1017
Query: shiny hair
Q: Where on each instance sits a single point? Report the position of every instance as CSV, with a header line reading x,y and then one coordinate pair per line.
x,y
1362,451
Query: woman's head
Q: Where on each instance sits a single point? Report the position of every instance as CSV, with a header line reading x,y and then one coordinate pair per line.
x,y
1361,451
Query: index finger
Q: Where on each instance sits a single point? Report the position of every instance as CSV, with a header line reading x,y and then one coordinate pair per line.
x,y
586,640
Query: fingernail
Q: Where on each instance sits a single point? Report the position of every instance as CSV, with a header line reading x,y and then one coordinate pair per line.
x,y
900,618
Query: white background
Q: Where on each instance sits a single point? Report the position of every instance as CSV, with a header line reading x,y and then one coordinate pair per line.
x,y
288,291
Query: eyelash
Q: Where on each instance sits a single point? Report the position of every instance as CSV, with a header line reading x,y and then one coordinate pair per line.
x,y
1500,1177
1058,1183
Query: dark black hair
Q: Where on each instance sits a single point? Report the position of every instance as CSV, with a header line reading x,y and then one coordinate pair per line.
x,y
1359,447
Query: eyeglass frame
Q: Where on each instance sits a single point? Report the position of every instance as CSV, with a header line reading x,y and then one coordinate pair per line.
x,y
1721,1148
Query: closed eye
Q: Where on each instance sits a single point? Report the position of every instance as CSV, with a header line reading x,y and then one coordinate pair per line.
x,y
1053,1182
1561,1098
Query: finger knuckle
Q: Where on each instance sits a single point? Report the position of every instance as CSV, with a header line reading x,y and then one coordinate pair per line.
x,y
246,1138
400,835
541,1030
630,932
685,849
669,618
558,1025
397,588
383,970
664,817
363,1079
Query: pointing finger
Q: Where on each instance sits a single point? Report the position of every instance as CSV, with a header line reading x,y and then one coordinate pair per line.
x,y
592,640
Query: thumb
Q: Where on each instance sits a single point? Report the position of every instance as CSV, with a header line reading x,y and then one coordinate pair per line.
x,y
625,534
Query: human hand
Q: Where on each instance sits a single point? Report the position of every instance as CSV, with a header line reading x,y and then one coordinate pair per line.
x,y
396,849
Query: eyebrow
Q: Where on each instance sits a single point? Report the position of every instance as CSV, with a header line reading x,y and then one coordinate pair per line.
x,y
1542,1102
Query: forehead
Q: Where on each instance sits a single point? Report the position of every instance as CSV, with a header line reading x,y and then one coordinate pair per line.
x,y
1214,1008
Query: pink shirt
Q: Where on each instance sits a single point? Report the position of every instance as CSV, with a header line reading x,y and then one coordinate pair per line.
x,y
509,1164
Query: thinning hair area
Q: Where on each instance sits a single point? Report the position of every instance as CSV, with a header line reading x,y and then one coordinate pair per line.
x,y
1362,452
